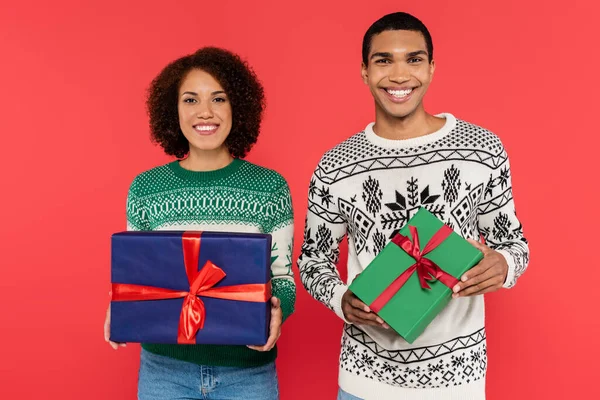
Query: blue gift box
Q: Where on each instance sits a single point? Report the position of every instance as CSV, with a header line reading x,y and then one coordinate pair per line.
x,y
156,259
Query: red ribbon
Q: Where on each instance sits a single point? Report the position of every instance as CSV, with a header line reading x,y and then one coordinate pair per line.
x,y
426,269
193,312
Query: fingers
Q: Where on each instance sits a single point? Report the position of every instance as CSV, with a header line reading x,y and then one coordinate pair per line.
x,y
474,272
275,327
115,345
360,317
473,279
488,289
485,286
479,246
494,281
366,316
273,337
476,283
359,305
358,312
487,276
107,326
112,344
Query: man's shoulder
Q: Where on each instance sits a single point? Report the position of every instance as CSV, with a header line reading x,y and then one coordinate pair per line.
x,y
350,150
468,134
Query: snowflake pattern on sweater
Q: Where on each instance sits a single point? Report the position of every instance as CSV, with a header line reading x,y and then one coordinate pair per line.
x,y
367,188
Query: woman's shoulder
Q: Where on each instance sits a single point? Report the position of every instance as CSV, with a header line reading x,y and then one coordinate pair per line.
x,y
152,178
266,178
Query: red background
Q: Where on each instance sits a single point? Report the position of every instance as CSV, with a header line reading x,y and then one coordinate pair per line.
x,y
74,134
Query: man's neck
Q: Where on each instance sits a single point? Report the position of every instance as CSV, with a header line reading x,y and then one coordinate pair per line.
x,y
417,124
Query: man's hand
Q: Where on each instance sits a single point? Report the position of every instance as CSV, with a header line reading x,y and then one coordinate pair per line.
x,y
486,277
107,332
275,329
358,312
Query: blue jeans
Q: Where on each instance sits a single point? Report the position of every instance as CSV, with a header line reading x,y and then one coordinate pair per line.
x,y
165,378
346,396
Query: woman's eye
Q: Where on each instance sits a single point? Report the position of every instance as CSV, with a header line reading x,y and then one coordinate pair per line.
x,y
189,100
220,99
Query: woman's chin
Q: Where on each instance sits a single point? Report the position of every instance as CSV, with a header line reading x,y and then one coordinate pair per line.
x,y
206,146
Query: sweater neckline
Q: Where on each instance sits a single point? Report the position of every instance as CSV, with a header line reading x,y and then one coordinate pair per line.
x,y
205,176
412,142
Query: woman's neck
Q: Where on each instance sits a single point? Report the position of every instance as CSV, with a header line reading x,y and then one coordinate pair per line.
x,y
206,160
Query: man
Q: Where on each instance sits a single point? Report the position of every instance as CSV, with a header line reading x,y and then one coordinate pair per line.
x,y
370,185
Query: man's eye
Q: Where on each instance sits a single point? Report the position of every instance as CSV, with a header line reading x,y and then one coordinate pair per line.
x,y
382,61
415,60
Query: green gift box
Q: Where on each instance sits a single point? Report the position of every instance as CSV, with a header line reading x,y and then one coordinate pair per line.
x,y
410,281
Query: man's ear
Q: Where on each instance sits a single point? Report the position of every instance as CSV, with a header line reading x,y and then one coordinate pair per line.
x,y
364,73
431,68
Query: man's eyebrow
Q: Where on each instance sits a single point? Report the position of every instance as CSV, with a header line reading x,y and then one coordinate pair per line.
x,y
417,53
382,54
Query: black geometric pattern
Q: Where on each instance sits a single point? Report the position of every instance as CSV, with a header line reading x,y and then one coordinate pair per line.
x,y
319,277
518,250
496,203
379,242
324,239
358,223
501,229
372,195
321,243
465,212
358,155
317,264
455,362
405,207
368,192
325,214
451,184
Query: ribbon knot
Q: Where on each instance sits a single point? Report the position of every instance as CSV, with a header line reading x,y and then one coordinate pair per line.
x,y
426,269
193,312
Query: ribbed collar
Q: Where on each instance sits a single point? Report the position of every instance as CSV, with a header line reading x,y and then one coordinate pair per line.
x,y
413,142
205,176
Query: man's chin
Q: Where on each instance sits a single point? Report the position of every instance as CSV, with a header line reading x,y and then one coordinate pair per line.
x,y
398,114
396,111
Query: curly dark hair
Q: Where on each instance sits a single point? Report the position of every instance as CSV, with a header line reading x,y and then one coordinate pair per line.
x,y
242,87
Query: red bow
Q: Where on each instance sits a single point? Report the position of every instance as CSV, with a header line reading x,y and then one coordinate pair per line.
x,y
201,282
426,269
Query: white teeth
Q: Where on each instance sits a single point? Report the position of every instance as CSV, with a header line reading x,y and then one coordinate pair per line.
x,y
399,93
205,127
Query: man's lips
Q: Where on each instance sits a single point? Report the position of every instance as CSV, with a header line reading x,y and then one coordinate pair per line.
x,y
399,95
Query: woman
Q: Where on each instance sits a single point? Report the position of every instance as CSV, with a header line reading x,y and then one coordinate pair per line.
x,y
206,109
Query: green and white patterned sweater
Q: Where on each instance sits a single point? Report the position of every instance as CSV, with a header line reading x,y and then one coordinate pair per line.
x,y
241,197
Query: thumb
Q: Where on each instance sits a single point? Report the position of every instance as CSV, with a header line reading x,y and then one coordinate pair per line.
x,y
479,246
107,325
106,332
275,302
